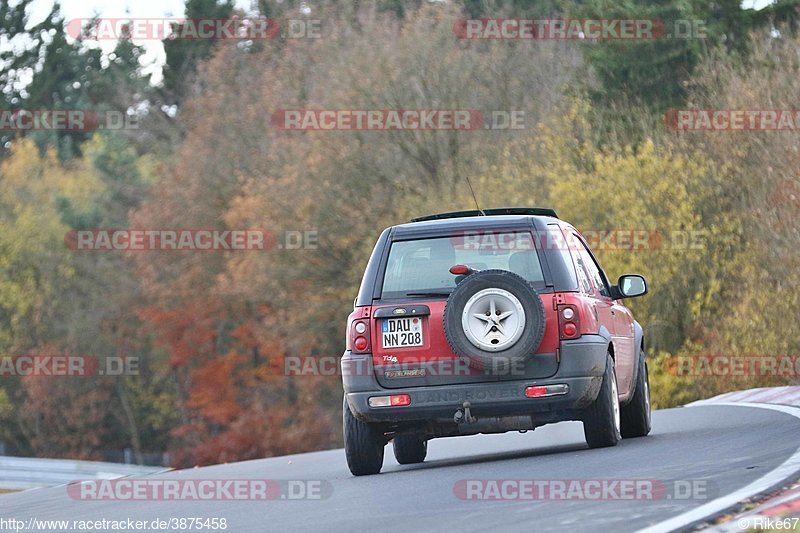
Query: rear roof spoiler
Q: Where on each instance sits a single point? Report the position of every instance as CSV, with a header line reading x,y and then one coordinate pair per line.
x,y
535,211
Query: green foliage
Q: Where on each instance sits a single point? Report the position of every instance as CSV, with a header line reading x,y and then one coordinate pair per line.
x,y
211,329
24,44
638,80
63,75
184,55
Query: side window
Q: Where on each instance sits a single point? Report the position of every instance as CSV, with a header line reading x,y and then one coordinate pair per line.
x,y
554,242
593,270
583,273
596,276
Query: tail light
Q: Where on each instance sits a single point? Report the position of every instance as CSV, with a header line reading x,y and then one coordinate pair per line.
x,y
359,336
547,390
397,400
569,322
460,270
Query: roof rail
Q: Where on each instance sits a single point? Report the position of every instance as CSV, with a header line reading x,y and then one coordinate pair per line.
x,y
536,211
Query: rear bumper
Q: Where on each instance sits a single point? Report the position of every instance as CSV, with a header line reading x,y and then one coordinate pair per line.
x,y
581,368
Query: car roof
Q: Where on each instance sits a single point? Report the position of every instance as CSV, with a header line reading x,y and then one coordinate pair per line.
x,y
448,225
544,211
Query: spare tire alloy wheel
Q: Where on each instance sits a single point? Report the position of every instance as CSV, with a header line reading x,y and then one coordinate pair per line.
x,y
494,319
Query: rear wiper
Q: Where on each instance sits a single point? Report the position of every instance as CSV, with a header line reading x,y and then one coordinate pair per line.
x,y
432,294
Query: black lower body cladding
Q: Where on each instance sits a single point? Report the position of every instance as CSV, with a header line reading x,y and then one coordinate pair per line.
x,y
583,364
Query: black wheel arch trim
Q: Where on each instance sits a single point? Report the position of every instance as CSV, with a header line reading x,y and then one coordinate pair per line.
x,y
638,342
603,332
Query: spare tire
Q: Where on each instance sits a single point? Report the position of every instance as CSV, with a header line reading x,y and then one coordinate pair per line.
x,y
494,320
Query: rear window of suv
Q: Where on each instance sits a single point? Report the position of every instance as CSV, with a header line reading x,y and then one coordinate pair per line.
x,y
420,267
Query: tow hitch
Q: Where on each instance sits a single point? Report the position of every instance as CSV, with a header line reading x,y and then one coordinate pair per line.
x,y
464,415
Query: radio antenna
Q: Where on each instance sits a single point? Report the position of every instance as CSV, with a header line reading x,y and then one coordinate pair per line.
x,y
474,197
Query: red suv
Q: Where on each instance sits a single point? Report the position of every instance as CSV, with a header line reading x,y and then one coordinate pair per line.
x,y
486,322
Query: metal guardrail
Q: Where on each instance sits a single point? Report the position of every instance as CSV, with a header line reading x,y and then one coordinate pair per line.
x,y
20,473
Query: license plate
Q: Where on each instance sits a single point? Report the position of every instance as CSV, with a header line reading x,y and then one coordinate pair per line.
x,y
402,332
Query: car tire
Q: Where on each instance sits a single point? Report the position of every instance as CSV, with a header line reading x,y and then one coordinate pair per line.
x,y
635,417
363,444
410,449
601,423
528,307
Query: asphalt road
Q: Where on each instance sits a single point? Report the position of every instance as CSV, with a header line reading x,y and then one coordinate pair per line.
x,y
727,447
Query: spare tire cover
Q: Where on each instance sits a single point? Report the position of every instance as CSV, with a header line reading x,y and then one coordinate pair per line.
x,y
495,320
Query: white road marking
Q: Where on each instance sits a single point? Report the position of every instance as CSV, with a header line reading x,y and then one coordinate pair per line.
x,y
783,473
